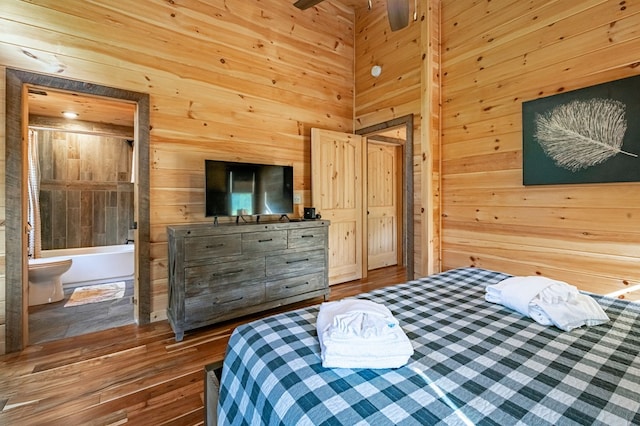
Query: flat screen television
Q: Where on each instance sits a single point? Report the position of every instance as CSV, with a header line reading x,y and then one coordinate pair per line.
x,y
245,189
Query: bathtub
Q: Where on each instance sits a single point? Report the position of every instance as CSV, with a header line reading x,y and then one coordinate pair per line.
x,y
95,265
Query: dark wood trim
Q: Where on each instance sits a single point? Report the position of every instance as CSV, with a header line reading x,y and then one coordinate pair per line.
x,y
141,197
407,184
16,265
15,241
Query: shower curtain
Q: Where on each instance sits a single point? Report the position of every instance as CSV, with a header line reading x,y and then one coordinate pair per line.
x,y
33,188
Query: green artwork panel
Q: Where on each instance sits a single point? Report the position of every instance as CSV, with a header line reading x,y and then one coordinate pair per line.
x,y
590,135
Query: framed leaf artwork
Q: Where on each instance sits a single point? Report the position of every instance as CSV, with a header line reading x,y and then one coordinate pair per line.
x,y
589,135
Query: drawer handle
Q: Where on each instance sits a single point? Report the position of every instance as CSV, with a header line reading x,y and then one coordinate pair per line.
x,y
220,274
215,246
265,241
228,301
297,285
306,236
297,260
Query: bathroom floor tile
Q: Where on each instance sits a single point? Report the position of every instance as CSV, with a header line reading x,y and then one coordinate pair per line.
x,y
54,321
41,333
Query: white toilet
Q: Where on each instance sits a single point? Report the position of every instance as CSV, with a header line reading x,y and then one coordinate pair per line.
x,y
45,283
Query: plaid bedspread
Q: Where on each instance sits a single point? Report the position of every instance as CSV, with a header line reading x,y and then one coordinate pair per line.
x,y
475,363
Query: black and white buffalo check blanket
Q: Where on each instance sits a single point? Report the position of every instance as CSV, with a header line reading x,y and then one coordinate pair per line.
x,y
475,363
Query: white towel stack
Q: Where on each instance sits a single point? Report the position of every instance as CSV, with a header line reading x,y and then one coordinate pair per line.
x,y
356,333
547,301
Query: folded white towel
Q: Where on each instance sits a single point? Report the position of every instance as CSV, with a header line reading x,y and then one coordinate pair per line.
x,y
558,292
360,353
356,333
547,301
577,311
517,292
361,362
356,318
396,343
361,324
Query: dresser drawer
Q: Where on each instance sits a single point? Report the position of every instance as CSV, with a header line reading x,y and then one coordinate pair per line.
x,y
295,263
225,299
253,242
279,289
212,246
216,273
307,238
206,279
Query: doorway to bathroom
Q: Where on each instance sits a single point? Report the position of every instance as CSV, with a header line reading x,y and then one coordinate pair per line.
x,y
80,209
94,196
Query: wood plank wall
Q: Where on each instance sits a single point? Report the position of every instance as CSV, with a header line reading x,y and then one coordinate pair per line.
x,y
232,80
86,194
395,93
496,55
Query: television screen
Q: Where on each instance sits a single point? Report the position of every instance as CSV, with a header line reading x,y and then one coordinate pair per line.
x,y
244,189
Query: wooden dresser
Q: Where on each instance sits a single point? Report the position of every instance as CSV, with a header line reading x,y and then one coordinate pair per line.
x,y
226,271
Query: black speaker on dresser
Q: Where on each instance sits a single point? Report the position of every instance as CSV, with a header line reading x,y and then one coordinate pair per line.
x,y
309,213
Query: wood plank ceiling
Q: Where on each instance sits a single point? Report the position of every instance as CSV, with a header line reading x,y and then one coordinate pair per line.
x,y
45,102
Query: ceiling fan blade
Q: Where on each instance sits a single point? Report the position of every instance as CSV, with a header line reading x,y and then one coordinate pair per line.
x,y
305,4
398,12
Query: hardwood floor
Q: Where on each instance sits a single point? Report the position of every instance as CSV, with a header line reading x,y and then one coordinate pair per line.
x,y
129,374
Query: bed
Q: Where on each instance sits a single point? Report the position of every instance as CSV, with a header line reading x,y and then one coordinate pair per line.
x,y
475,363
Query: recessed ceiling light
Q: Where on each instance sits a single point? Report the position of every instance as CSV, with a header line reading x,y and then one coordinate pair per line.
x,y
69,114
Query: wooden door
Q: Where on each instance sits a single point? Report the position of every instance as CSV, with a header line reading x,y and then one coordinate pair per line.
x,y
382,204
337,187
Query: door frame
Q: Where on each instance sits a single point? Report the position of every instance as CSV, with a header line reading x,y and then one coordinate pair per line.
x,y
407,185
16,326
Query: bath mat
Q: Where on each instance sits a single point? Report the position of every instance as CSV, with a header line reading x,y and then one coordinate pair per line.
x,y
96,293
